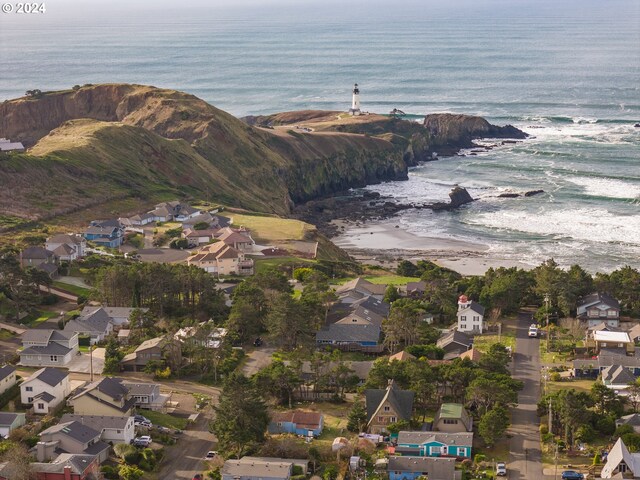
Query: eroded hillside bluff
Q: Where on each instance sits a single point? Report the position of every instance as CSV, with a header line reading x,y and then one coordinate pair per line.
x,y
107,141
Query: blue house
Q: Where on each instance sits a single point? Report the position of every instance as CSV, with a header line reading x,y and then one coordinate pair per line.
x,y
107,233
352,337
434,444
297,422
410,468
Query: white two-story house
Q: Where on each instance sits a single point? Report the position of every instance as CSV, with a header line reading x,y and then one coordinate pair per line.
x,y
48,348
45,389
470,316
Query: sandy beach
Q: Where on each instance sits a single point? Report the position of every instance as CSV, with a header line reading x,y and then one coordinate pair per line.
x,y
384,244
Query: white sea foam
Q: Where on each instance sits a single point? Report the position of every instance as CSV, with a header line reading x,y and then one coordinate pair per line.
x,y
582,224
607,187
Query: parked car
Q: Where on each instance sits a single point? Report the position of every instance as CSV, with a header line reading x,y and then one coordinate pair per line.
x,y
163,429
146,424
533,330
142,441
257,342
210,455
571,475
501,469
140,418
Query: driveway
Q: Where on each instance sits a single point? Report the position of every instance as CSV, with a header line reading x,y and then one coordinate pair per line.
x,y
526,459
82,363
256,360
185,458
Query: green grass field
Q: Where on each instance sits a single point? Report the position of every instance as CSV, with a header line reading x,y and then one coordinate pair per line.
x,y
390,279
5,334
484,342
164,419
262,264
270,229
578,385
74,289
37,318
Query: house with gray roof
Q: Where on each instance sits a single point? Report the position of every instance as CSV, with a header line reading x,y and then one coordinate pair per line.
x,y
45,389
387,406
9,421
67,247
7,145
470,316
115,429
67,466
617,377
411,468
147,395
249,468
71,437
7,378
93,323
599,307
434,444
154,349
607,357
454,343
350,337
633,420
621,462
108,397
106,233
47,347
40,258
362,287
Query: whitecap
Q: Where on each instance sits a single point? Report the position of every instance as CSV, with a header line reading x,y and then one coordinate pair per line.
x,y
606,187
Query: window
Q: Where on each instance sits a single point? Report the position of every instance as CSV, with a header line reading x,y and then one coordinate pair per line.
x,y
118,431
386,408
462,451
41,406
393,419
28,389
463,318
29,399
54,358
476,319
450,421
463,326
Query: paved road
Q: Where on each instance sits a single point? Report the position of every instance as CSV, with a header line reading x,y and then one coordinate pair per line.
x,y
183,460
526,460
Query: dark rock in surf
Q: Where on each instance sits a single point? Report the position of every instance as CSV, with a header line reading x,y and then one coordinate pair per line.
x,y
531,193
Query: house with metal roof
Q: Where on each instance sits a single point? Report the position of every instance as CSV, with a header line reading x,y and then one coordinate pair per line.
x,y
108,397
45,389
48,347
609,339
599,307
115,429
297,422
411,468
434,444
387,406
452,418
71,437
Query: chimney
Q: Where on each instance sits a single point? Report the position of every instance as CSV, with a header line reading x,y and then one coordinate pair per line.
x,y
67,472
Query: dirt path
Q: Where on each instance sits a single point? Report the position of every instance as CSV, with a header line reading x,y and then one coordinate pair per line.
x,y
259,358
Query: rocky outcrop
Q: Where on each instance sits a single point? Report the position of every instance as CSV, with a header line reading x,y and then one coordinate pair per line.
x,y
458,195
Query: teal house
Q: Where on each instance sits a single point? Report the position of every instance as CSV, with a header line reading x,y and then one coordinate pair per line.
x,y
434,444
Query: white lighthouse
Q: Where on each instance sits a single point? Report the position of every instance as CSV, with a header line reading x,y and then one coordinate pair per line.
x,y
355,101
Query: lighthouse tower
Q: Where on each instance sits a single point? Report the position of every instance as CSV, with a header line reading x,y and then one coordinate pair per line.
x,y
355,101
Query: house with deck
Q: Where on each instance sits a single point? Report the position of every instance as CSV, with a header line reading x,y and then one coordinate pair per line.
x,y
146,395
114,429
599,307
45,389
610,340
221,259
43,348
105,233
434,444
387,406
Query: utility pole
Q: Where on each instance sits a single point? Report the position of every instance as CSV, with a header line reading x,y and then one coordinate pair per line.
x,y
91,360
555,461
546,305
550,418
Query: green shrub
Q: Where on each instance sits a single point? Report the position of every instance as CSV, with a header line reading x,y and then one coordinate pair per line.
x,y
297,470
132,458
84,340
173,232
179,243
109,472
544,429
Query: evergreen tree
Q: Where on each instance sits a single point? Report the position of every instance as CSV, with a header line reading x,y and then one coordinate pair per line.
x,y
493,425
357,419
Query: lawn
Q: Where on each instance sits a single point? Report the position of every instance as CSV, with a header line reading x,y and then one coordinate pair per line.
x,y
335,421
578,385
390,279
262,264
5,334
484,342
35,319
270,229
164,419
74,289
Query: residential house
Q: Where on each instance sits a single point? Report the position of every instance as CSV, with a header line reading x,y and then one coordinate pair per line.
x,y
612,340
249,468
40,258
361,288
7,145
108,397
114,429
350,337
7,378
106,233
138,220
470,315
599,307
214,221
123,336
387,406
221,259
607,357
203,335
67,247
48,348
454,343
117,315
67,466
174,211
298,422
452,418
633,420
236,238
402,356
155,349
416,289
634,333
71,437
195,238
95,324
617,378
411,468
472,354
434,444
45,389
620,461
9,421
147,395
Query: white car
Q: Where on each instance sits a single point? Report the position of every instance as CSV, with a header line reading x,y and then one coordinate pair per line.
x,y
210,455
533,330
501,470
142,441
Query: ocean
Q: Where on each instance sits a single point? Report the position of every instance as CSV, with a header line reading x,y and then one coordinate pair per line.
x,y
568,72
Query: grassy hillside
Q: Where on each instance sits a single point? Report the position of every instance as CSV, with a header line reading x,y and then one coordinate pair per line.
x,y
105,143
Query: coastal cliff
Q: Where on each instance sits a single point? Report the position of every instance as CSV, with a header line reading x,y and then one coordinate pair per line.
x,y
98,143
